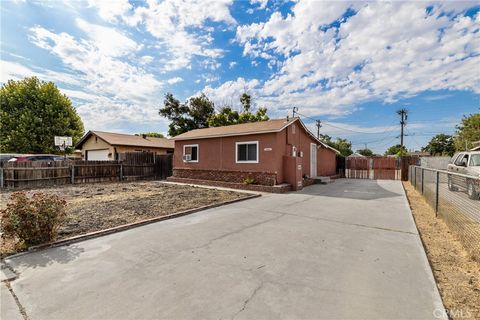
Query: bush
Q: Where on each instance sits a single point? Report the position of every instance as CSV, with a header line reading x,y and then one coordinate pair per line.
x,y
249,180
33,220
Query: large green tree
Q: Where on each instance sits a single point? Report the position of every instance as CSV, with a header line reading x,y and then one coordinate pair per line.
x,y
468,131
342,145
32,113
365,152
193,114
441,145
227,116
397,150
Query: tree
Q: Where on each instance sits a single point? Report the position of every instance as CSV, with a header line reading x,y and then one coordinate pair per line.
x,y
151,134
342,145
227,116
397,150
32,113
193,114
365,152
468,131
441,144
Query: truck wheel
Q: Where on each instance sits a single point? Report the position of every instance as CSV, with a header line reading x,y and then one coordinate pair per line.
x,y
471,191
451,187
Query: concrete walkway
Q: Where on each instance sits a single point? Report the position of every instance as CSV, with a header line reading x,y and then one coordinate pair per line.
x,y
347,250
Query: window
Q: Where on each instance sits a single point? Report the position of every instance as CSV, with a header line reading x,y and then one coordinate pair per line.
x,y
190,153
462,160
247,152
458,159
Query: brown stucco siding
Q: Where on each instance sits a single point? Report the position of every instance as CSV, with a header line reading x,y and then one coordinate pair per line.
x,y
218,154
327,162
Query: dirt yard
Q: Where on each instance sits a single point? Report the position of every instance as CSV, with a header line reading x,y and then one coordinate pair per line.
x,y
457,274
93,207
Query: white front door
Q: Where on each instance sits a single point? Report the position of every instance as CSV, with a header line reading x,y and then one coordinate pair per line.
x,y
313,160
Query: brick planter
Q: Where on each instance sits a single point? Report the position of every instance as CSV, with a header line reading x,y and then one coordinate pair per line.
x,y
242,186
260,178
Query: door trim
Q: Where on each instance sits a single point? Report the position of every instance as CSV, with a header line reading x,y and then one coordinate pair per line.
x,y
313,159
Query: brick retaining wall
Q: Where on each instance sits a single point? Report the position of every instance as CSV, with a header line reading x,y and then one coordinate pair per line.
x,y
260,178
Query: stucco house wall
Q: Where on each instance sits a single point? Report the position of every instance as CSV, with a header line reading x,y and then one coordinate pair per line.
x,y
97,143
218,154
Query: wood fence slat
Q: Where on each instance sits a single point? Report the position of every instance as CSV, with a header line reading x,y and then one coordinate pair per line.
x,y
134,165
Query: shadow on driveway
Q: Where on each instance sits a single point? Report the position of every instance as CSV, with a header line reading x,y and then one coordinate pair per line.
x,y
43,258
358,189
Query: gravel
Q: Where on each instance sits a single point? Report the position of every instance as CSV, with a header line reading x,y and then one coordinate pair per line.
x,y
93,207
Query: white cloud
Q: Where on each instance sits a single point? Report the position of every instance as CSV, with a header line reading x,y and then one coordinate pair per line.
x,y
229,92
109,41
232,64
179,25
386,50
174,80
111,10
146,59
102,71
261,3
15,71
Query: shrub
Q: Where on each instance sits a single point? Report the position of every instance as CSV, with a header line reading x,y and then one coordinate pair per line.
x,y
249,180
33,220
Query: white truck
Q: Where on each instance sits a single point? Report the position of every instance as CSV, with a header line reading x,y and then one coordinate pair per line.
x,y
467,166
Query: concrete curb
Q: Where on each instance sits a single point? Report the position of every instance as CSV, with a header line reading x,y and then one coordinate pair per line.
x,y
424,247
96,234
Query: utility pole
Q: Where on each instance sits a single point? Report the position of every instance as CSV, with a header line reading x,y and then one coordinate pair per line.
x,y
294,109
403,122
319,125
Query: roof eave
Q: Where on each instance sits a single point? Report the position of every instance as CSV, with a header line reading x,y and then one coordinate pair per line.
x,y
235,134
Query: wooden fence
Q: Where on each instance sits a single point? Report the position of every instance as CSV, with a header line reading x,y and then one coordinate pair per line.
x,y
387,168
42,173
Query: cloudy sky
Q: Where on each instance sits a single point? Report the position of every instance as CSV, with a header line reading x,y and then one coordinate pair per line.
x,y
348,64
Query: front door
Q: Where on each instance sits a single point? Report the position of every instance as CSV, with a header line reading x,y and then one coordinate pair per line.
x,y
313,160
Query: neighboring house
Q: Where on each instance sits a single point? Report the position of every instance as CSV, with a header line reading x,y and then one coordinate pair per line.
x,y
268,153
356,155
417,153
98,145
476,146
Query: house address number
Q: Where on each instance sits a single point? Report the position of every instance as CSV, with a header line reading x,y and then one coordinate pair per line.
x,y
267,149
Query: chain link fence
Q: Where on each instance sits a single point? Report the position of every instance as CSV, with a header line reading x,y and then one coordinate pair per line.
x,y
455,198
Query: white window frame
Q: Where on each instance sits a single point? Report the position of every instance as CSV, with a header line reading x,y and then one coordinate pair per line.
x,y
191,145
246,161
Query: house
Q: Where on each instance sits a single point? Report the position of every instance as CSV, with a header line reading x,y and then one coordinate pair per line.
x,y
476,146
266,153
356,155
99,145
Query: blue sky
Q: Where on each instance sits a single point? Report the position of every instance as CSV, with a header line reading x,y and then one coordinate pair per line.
x,y
349,64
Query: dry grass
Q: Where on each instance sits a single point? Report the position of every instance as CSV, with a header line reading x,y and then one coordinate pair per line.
x,y
93,207
456,273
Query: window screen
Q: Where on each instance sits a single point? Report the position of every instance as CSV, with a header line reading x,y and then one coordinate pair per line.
x,y
247,152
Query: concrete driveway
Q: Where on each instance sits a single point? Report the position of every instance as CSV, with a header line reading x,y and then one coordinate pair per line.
x,y
347,250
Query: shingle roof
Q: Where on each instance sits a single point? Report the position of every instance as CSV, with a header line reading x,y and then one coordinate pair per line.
x,y
275,125
121,139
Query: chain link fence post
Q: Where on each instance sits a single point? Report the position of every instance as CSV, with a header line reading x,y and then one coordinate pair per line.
x,y
437,183
423,178
415,175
